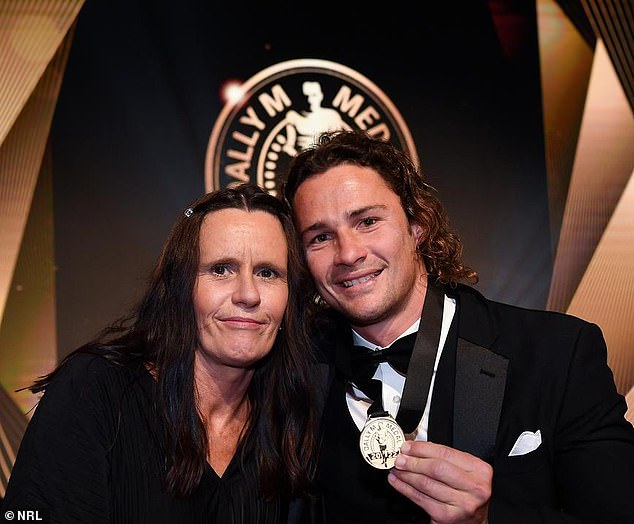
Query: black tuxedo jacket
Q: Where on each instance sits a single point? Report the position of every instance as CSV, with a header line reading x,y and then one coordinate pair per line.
x,y
505,370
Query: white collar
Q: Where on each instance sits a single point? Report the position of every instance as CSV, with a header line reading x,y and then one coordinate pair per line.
x,y
358,340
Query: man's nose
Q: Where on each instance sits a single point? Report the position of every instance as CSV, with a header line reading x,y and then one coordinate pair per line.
x,y
349,248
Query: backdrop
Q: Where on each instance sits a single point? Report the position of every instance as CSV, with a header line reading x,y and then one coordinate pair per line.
x,y
518,112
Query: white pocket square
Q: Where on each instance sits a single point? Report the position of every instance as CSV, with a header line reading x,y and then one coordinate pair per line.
x,y
526,442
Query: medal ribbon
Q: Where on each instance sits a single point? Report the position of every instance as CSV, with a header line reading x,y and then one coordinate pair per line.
x,y
419,371
421,365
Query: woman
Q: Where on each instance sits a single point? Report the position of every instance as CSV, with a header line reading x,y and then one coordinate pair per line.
x,y
195,408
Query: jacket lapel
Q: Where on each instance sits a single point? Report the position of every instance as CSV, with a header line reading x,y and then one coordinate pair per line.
x,y
480,382
480,377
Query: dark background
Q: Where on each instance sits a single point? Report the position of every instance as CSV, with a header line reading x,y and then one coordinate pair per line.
x,y
142,91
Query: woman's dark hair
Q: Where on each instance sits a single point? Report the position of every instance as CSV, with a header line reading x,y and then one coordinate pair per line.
x,y
440,248
162,333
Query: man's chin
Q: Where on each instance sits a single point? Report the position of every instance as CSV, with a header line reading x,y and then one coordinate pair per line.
x,y
361,316
358,310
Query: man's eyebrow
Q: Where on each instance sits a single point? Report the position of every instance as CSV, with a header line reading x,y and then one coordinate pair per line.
x,y
365,209
312,227
320,224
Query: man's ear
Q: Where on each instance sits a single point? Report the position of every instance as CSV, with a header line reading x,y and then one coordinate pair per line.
x,y
418,231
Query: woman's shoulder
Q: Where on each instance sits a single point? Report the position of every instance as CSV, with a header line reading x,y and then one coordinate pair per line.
x,y
94,372
87,364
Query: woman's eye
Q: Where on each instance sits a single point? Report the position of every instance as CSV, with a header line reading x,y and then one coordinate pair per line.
x,y
267,273
219,269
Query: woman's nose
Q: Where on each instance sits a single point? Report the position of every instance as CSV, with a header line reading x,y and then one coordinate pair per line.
x,y
246,291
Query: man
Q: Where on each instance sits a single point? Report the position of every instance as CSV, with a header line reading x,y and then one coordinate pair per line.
x,y
522,422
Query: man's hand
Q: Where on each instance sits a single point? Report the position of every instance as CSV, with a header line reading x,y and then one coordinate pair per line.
x,y
450,485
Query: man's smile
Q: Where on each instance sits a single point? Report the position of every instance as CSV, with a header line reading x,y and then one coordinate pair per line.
x,y
360,280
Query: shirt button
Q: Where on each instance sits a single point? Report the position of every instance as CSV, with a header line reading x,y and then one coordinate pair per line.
x,y
396,399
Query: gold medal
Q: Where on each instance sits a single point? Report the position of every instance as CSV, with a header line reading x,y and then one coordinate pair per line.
x,y
380,440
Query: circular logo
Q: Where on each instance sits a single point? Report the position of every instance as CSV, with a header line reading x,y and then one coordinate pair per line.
x,y
282,109
380,442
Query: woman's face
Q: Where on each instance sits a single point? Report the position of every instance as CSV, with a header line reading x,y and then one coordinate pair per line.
x,y
241,289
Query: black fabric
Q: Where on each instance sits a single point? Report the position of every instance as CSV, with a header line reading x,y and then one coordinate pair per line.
x,y
365,360
93,453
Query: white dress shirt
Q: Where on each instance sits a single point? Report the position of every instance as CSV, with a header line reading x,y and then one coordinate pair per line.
x,y
393,381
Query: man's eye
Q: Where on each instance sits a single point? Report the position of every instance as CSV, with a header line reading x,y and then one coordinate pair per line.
x,y
318,239
369,221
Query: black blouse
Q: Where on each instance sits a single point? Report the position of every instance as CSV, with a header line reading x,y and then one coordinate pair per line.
x,y
92,453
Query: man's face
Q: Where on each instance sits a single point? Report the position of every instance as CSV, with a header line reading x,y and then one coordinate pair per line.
x,y
361,250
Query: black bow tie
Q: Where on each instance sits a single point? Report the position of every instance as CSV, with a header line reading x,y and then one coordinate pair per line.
x,y
364,361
